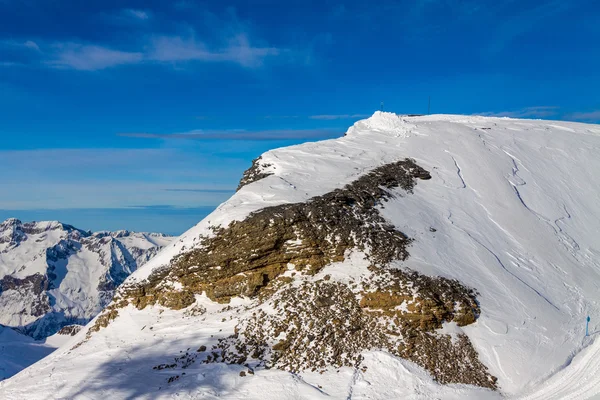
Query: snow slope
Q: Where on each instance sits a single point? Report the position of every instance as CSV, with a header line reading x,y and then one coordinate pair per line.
x,y
511,210
18,351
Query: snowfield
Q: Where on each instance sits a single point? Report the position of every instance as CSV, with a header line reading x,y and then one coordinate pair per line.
x,y
512,210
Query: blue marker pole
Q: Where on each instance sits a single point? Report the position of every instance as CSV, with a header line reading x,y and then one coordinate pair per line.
x,y
587,324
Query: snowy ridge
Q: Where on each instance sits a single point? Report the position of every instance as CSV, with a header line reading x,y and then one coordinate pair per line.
x,y
510,211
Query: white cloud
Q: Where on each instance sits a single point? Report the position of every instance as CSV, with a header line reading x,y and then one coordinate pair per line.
x,y
137,14
228,41
9,64
14,43
527,112
31,45
160,49
239,50
241,134
338,116
107,178
90,57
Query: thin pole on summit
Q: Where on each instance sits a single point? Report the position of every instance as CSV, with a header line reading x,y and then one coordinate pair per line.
x,y
381,109
429,106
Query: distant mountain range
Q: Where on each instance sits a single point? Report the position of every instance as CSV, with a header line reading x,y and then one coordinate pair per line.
x,y
53,274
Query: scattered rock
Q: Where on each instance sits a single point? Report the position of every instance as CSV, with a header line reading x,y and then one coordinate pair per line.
x,y
254,173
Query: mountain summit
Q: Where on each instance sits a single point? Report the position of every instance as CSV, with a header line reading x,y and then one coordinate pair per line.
x,y
416,257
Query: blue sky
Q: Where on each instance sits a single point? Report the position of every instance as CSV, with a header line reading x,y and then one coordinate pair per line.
x,y
143,114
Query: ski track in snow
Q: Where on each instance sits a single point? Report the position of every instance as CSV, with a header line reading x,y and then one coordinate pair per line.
x,y
353,381
571,245
502,264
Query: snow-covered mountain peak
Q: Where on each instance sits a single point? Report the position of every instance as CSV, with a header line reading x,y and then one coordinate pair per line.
x,y
383,122
435,251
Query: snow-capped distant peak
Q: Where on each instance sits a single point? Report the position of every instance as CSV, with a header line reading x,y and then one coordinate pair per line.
x,y
52,274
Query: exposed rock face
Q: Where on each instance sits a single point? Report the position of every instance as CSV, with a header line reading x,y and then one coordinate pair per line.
x,y
299,321
254,173
70,330
53,274
28,293
244,257
321,324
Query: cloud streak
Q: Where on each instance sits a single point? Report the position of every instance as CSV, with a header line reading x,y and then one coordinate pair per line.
x,y
527,112
158,50
136,14
222,41
238,50
329,117
109,178
259,135
201,190
91,58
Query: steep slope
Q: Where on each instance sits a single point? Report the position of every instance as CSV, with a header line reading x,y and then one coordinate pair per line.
x,y
456,256
52,274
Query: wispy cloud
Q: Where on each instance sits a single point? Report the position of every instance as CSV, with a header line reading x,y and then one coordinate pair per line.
x,y
218,40
10,64
338,116
201,190
107,178
30,44
275,134
159,49
527,112
281,116
90,58
238,50
16,43
137,14
591,116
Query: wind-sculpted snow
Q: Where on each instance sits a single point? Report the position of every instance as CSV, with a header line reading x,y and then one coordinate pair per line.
x,y
509,211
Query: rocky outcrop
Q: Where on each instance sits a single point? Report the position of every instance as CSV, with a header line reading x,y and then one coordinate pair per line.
x,y
244,257
29,293
302,319
70,330
254,173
